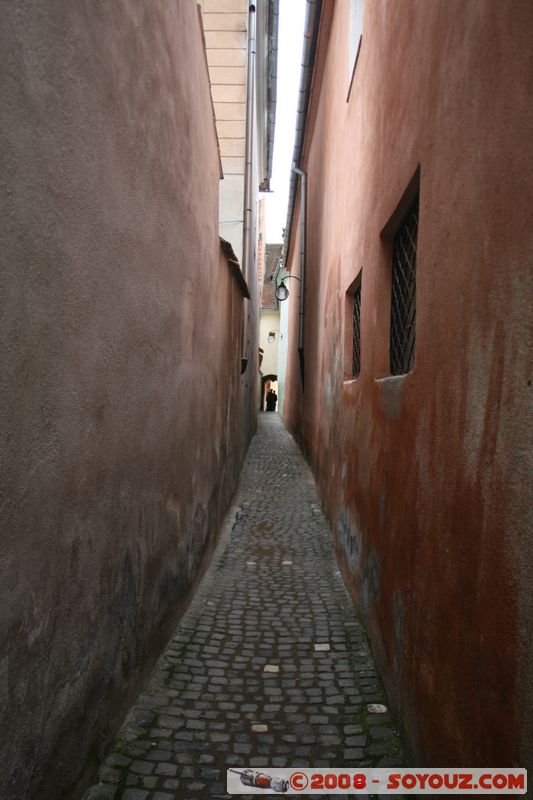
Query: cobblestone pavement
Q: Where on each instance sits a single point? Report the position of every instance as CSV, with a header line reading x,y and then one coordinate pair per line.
x,y
270,666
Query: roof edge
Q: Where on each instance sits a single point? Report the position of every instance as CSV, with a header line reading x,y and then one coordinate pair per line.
x,y
235,267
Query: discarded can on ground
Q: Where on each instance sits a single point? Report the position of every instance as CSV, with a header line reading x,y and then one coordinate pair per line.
x,y
261,780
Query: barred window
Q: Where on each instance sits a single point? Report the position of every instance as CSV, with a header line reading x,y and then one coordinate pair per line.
x,y
356,333
403,300
352,329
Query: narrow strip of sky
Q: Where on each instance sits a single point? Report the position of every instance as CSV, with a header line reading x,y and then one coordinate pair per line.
x,y
290,44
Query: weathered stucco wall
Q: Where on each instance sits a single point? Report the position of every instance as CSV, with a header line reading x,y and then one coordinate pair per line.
x,y
124,416
427,476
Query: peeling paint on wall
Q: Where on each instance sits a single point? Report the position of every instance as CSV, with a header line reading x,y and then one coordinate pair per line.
x,y
391,390
349,539
370,582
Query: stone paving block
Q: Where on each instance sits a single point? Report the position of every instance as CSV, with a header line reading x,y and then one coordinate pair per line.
x,y
102,793
167,769
275,644
172,784
353,754
135,794
142,767
109,774
355,741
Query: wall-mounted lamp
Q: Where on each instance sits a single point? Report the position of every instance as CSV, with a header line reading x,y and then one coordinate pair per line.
x,y
272,336
281,291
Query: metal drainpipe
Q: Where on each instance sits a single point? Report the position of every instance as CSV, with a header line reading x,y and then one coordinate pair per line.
x,y
272,87
303,239
246,238
312,20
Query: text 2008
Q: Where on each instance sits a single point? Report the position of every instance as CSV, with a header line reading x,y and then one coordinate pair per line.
x,y
342,781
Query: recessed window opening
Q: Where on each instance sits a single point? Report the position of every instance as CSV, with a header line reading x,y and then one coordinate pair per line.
x,y
352,329
403,299
356,333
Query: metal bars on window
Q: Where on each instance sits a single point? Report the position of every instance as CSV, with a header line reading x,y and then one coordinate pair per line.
x,y
356,333
403,301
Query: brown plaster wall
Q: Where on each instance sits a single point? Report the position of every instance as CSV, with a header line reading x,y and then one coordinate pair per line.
x,y
124,417
427,476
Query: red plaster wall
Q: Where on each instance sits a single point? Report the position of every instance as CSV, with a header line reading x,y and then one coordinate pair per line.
x,y
427,476
124,417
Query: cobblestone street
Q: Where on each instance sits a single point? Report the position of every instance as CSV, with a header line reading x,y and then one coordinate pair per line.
x,y
270,666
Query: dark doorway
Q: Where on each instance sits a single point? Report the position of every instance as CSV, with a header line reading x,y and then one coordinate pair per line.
x,y
267,382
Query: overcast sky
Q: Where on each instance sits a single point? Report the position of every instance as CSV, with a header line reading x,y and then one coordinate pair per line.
x,y
290,43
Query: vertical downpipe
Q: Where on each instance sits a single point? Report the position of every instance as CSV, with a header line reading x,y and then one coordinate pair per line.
x,y
247,231
303,252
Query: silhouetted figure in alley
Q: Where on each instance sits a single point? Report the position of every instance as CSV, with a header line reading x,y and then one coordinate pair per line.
x,y
271,399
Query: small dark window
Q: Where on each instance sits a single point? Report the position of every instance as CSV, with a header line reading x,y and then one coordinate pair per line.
x,y
356,333
403,301
352,329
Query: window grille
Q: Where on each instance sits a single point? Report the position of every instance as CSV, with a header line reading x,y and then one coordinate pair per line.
x,y
356,333
403,301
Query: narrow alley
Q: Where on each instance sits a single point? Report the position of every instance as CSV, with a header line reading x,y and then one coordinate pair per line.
x,y
270,666
216,209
